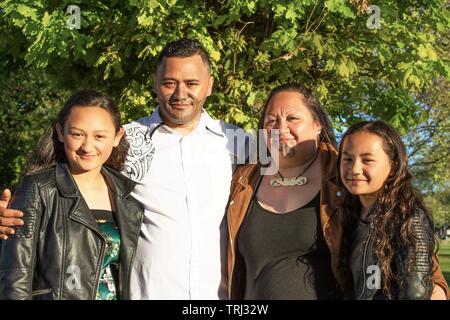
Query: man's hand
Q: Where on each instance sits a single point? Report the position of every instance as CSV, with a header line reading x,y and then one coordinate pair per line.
x,y
8,217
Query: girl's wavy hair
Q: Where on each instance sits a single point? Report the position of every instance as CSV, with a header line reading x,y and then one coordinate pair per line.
x,y
392,214
50,150
313,105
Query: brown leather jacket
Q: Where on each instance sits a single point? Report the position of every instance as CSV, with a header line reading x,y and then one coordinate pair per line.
x,y
243,187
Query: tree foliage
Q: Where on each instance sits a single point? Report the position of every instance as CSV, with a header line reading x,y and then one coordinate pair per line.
x,y
28,104
255,45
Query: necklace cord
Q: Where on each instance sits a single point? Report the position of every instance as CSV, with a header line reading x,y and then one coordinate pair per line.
x,y
306,169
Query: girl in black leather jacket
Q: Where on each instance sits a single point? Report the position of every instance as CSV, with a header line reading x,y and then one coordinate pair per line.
x,y
389,239
81,226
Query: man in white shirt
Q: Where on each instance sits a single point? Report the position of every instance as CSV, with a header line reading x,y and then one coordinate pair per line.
x,y
183,161
182,248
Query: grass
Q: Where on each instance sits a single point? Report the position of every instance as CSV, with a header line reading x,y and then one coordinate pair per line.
x,y
444,258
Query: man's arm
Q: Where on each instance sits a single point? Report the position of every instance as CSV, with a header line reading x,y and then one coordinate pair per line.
x,y
8,217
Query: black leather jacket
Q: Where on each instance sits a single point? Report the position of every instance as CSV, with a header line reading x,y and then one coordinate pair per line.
x,y
417,282
59,251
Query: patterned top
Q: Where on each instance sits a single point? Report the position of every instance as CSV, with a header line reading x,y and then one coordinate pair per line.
x,y
108,228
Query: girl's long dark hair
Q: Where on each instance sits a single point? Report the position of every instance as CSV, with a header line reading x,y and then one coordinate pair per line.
x,y
392,214
50,150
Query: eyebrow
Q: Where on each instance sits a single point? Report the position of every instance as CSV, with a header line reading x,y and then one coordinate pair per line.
x,y
104,130
296,112
364,154
176,80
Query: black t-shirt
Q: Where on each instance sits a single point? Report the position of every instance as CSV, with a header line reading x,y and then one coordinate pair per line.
x,y
285,255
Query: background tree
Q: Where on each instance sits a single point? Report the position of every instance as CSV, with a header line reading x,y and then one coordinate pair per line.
x,y
397,73
28,104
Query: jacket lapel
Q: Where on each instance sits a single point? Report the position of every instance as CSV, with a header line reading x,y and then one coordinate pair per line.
x,y
79,210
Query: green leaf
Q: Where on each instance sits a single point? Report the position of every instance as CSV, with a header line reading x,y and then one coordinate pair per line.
x,y
422,51
215,55
342,70
291,15
145,21
322,90
316,39
46,19
340,6
27,11
431,54
329,65
251,98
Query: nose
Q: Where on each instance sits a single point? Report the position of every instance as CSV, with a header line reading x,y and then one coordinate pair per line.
x,y
356,168
282,125
87,146
180,92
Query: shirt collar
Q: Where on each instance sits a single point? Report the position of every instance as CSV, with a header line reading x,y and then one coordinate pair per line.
x,y
205,122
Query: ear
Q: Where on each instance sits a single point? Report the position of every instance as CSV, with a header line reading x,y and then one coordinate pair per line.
x,y
60,132
392,169
210,85
119,136
318,126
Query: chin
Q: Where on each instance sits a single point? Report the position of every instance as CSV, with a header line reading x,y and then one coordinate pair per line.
x,y
87,168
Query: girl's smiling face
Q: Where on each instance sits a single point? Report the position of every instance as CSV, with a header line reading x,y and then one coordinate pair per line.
x,y
364,165
89,135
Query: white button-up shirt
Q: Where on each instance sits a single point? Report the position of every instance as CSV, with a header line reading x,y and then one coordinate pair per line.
x,y
184,184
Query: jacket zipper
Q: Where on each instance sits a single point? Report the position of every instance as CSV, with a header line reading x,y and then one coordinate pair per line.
x,y
364,262
39,292
99,268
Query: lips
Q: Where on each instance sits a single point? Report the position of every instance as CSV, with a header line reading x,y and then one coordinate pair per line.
x,y
356,181
87,156
284,138
180,106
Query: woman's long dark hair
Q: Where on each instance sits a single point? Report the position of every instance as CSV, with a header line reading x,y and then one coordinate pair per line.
x,y
313,105
392,214
50,150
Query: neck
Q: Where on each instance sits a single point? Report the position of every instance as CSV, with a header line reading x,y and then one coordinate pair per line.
x,y
367,202
183,128
290,165
88,180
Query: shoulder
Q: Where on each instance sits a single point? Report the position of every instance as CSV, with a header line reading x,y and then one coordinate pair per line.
x,y
122,183
142,126
421,219
217,126
141,147
40,180
245,174
245,171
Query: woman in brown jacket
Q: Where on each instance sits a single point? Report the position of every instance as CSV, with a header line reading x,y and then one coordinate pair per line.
x,y
284,230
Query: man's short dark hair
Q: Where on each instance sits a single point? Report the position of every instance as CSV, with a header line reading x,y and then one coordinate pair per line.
x,y
183,48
